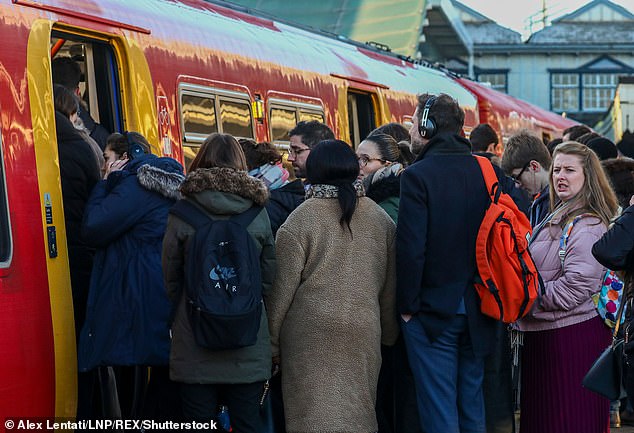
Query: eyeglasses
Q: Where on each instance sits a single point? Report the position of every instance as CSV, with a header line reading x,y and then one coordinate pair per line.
x,y
517,177
363,160
292,151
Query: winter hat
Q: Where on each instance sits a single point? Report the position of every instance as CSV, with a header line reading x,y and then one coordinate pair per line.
x,y
626,145
621,174
603,147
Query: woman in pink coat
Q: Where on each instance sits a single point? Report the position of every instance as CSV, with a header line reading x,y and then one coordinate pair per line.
x,y
563,334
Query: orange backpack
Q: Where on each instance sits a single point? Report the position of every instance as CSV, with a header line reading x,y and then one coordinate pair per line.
x,y
507,279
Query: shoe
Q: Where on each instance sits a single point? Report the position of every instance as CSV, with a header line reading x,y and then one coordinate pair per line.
x,y
615,419
626,418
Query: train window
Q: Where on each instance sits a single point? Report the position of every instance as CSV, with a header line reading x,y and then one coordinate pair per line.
x,y
361,119
235,117
199,117
5,230
309,116
281,120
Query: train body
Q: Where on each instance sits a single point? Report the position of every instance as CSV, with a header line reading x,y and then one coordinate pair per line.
x,y
174,70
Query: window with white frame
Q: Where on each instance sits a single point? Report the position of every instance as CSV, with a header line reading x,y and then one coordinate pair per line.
x,y
564,92
598,91
5,229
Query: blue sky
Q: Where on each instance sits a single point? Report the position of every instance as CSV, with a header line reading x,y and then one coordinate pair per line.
x,y
514,13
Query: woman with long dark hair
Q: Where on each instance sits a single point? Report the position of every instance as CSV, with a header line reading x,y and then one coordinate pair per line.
x,y
332,303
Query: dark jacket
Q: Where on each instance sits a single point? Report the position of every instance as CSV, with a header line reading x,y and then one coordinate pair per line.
x,y
386,193
283,201
443,201
540,208
96,130
128,309
79,174
615,249
222,192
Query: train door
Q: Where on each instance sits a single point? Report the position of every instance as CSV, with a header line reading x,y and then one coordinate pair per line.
x,y
361,116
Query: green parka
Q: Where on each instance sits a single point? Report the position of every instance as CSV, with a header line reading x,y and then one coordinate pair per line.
x,y
222,192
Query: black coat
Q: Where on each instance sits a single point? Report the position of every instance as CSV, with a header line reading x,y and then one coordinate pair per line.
x,y
615,249
79,174
283,201
443,201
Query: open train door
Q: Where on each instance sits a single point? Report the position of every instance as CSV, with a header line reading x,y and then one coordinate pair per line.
x,y
118,103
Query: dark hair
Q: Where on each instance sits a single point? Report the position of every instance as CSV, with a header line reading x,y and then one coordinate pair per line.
x,y
312,132
521,149
119,144
66,72
445,112
333,162
575,132
553,143
603,147
220,150
64,100
585,138
259,154
407,157
386,145
620,172
626,144
482,136
395,130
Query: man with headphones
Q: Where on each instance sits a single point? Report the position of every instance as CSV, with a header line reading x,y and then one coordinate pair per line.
x,y
443,202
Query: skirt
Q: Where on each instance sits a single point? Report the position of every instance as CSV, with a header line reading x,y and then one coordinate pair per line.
x,y
554,363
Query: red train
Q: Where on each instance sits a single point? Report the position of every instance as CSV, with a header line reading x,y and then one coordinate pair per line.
x,y
175,70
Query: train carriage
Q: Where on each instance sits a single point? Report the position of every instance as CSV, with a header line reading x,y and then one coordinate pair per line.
x,y
174,70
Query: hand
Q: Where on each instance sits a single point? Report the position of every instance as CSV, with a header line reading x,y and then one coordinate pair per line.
x,y
115,166
406,317
276,366
632,200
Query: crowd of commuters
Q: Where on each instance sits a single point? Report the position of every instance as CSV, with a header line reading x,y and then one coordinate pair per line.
x,y
369,319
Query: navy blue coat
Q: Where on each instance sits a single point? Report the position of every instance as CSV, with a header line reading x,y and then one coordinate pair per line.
x,y
443,201
128,310
615,249
282,201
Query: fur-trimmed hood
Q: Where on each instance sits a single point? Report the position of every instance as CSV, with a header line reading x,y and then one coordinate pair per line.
x,y
225,180
161,181
385,188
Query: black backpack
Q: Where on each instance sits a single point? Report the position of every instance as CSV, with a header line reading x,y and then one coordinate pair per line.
x,y
222,278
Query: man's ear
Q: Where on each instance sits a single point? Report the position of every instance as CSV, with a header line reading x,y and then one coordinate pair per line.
x,y
535,166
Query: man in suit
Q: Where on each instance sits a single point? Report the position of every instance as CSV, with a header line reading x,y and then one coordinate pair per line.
x,y
443,202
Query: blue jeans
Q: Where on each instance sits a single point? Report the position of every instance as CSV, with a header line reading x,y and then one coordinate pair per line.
x,y
448,378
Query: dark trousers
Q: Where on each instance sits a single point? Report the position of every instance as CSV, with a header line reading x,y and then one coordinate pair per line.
x,y
200,403
448,378
498,385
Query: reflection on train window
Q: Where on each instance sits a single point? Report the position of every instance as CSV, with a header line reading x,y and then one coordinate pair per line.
x,y
281,122
235,118
5,230
189,153
308,116
199,116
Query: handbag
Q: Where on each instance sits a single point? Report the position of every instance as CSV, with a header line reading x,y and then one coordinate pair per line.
x,y
604,377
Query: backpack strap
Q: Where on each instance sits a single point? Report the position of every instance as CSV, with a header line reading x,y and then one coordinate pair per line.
x,y
245,218
490,178
565,234
190,213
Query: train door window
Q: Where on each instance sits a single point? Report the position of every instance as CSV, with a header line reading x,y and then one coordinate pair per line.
x,y
361,118
235,118
5,230
99,84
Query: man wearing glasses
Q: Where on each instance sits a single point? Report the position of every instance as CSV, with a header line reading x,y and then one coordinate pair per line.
x,y
527,160
303,138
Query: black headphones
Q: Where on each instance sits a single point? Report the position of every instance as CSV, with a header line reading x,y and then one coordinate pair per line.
x,y
427,126
135,149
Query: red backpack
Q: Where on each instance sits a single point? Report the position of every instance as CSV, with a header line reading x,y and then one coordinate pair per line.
x,y
507,279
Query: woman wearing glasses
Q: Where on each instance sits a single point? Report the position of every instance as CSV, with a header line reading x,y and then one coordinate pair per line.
x,y
381,160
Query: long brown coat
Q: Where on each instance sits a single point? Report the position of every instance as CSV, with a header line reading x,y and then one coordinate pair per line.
x,y
331,306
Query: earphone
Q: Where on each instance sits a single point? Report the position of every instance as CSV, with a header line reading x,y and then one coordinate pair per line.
x,y
427,126
135,149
